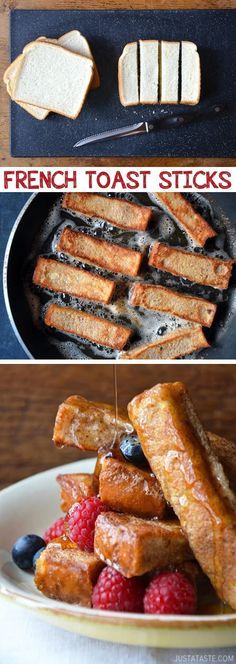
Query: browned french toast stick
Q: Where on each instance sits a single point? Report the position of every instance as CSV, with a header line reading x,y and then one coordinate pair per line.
x,y
159,298
192,479
117,211
63,278
126,488
175,344
136,546
66,573
98,330
190,220
107,255
194,267
87,425
75,487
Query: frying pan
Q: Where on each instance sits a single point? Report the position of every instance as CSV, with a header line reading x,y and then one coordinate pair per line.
x,y
38,344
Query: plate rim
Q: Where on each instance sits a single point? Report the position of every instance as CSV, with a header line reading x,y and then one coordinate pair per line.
x,y
44,604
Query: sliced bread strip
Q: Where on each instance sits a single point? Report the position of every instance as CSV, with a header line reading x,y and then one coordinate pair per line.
x,y
194,267
173,345
169,76
87,326
183,212
190,73
116,211
62,278
149,71
159,298
104,254
128,75
54,78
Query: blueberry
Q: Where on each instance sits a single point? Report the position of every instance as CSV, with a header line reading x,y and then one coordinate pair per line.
x,y
131,449
36,556
24,550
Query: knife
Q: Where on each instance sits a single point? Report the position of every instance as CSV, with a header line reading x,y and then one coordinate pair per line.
x,y
155,125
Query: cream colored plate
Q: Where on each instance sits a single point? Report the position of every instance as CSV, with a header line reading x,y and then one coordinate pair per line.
x,y
33,504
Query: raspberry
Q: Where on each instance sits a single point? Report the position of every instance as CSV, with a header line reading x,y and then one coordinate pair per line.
x,y
116,593
81,521
170,592
56,530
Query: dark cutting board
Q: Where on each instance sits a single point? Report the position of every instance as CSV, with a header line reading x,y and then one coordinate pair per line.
x,y
107,32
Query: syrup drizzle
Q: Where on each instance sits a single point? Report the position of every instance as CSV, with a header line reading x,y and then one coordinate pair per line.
x,y
115,391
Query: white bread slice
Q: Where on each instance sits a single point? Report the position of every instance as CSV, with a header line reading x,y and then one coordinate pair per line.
x,y
149,71
9,77
73,41
128,75
169,76
76,42
190,74
54,78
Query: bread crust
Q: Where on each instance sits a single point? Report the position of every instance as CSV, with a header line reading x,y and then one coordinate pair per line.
x,y
192,479
194,267
104,254
62,278
132,216
159,298
87,326
171,346
190,220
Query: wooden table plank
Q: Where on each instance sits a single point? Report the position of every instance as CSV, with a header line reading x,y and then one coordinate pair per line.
x,y
7,5
30,395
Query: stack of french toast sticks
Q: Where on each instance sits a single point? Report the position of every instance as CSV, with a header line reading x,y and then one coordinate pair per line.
x,y
121,261
177,507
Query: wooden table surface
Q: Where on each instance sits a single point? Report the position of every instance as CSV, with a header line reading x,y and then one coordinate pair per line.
x,y
7,5
30,395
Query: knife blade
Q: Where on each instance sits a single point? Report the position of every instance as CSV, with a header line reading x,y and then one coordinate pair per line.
x,y
154,125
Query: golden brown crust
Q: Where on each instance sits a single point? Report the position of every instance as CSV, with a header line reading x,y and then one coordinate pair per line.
x,y
87,326
87,425
159,298
117,211
183,212
62,278
64,572
136,546
126,488
192,479
194,267
109,256
74,487
173,345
